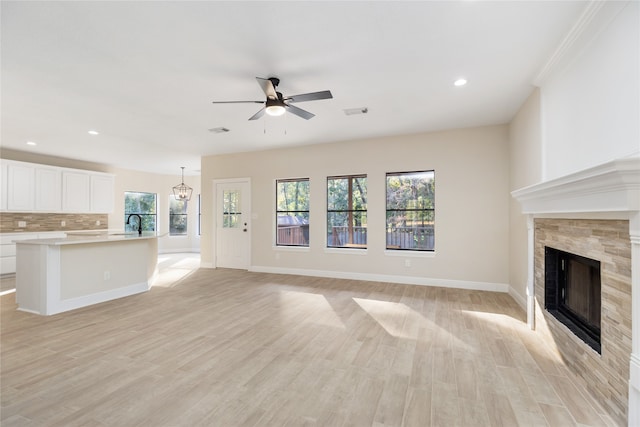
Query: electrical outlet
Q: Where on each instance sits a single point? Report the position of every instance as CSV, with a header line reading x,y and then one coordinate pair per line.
x,y
63,223
407,263
98,222
107,275
22,224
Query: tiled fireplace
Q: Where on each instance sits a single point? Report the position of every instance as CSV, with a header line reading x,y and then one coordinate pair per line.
x,y
604,374
593,215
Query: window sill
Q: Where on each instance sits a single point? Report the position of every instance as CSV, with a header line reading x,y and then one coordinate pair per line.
x,y
349,251
410,254
291,248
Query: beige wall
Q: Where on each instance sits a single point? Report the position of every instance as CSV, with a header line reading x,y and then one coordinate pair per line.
x,y
127,180
472,204
525,168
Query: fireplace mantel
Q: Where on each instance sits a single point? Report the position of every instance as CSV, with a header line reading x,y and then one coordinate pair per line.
x,y
612,187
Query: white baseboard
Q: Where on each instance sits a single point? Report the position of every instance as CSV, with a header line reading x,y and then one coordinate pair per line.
x,y
207,265
83,301
519,299
179,251
406,280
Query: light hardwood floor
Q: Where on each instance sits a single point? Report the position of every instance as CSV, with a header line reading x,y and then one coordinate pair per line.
x,y
227,347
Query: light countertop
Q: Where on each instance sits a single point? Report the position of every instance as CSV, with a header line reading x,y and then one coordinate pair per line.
x,y
83,237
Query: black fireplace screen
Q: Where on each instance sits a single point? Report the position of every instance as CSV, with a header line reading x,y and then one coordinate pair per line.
x,y
573,293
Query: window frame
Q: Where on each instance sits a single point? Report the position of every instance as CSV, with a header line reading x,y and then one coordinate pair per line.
x,y
279,212
349,211
432,211
142,215
199,214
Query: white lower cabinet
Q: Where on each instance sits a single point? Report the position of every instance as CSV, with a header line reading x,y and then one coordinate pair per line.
x,y
8,247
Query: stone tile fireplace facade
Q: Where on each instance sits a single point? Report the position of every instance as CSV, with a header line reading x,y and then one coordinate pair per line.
x,y
605,375
593,213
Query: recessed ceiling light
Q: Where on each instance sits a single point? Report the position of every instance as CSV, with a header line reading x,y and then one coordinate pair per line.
x,y
93,132
31,143
460,82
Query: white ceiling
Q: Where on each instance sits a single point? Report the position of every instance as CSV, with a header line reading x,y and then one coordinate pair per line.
x,y
144,73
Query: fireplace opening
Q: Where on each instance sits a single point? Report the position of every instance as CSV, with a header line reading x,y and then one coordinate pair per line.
x,y
573,293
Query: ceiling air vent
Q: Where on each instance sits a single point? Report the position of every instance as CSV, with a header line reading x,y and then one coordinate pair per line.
x,y
353,111
219,130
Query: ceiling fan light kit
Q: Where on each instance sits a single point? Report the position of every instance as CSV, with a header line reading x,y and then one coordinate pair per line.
x,y
274,107
276,104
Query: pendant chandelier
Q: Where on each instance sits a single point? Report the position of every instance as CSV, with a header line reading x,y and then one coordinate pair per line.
x,y
182,191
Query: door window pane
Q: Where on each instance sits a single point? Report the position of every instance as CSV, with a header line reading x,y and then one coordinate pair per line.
x,y
231,209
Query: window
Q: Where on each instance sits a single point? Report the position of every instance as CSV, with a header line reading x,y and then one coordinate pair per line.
x,y
347,211
231,209
143,204
177,216
411,210
292,212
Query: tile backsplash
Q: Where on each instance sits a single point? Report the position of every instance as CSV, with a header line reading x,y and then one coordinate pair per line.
x,y
11,222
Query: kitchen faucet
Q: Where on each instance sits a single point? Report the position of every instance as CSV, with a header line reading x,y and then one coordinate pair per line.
x,y
139,223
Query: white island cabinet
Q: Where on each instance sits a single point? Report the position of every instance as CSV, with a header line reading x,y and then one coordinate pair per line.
x,y
56,275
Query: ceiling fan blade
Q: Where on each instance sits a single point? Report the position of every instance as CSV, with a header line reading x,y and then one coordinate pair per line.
x,y
299,112
257,115
314,96
237,102
267,87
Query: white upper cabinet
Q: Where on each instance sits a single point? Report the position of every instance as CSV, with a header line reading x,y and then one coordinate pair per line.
x,y
48,190
30,187
76,192
3,186
20,187
102,193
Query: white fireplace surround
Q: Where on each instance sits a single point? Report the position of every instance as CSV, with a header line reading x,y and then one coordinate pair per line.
x,y
607,191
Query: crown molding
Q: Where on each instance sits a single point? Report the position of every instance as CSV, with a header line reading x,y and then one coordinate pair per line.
x,y
594,18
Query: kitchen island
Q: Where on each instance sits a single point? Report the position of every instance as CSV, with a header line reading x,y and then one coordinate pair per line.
x,y
62,274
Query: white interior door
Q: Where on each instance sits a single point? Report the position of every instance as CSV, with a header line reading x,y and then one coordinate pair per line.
x,y
233,224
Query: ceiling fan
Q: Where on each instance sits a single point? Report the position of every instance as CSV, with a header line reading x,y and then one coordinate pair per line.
x,y
276,104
